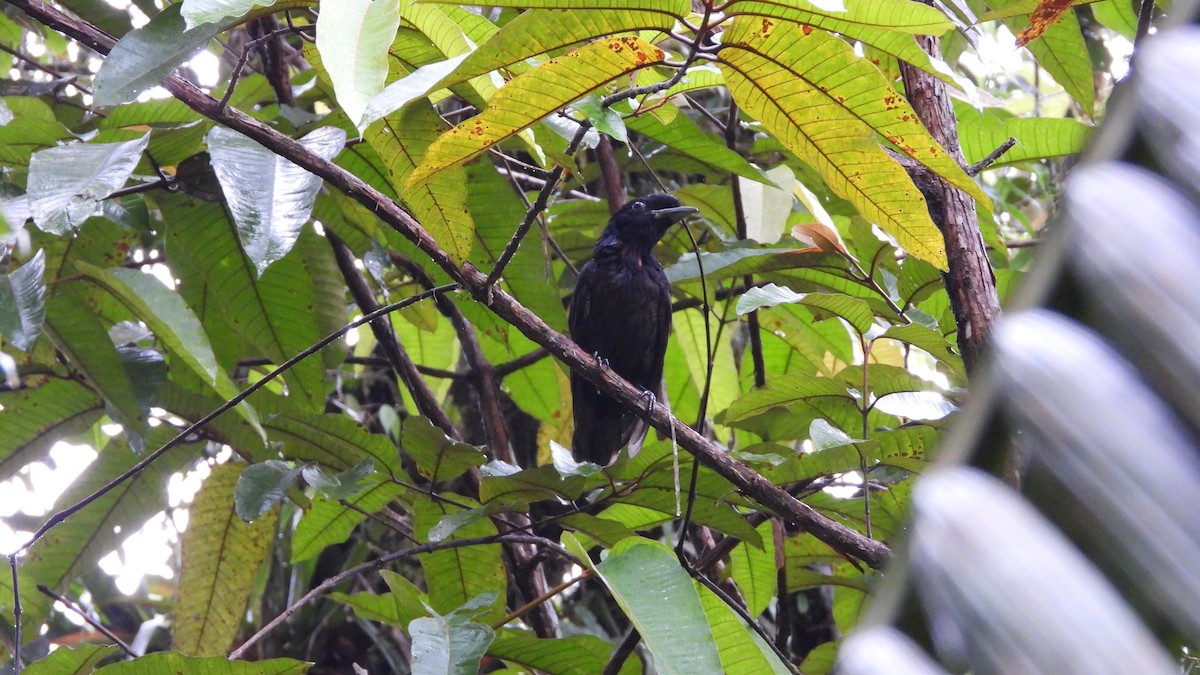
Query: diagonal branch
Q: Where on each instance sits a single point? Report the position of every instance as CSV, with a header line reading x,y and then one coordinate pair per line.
x,y
841,538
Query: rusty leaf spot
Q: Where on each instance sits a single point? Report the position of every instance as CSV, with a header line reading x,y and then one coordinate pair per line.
x,y
807,29
1047,12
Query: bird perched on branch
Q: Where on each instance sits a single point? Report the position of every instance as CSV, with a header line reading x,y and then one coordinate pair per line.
x,y
621,313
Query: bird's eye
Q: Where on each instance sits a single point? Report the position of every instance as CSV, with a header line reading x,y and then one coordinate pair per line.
x,y
638,206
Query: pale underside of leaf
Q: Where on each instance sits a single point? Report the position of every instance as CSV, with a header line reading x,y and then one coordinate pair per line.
x,y
270,198
533,95
353,37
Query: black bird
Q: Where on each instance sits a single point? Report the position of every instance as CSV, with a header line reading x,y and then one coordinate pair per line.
x,y
621,313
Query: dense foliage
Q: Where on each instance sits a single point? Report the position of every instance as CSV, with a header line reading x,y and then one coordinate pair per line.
x,y
401,499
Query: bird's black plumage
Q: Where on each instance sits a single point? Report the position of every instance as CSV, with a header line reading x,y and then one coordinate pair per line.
x,y
621,312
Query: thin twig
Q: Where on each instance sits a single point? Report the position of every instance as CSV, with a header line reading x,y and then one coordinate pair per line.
x,y
991,157
622,652
377,563
17,611
524,609
1145,14
88,618
401,363
510,367
741,612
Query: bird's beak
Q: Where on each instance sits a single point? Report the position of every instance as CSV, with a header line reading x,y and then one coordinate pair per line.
x,y
675,213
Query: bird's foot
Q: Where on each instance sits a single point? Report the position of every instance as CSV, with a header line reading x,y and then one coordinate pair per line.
x,y
600,360
651,401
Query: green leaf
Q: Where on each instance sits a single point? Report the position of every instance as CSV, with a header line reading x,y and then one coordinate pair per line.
x,y
79,334
783,391
745,258
39,415
531,96
661,601
605,120
982,131
574,655
219,559
498,212
807,91
531,485
66,660
447,645
269,197
146,56
261,486
683,135
605,531
1063,53
438,457
402,140
33,128
171,321
353,38
856,312
76,546
174,662
198,12
870,27
341,485
159,113
689,331
819,343
931,341
753,570
68,183
328,522
715,496
742,650
401,606
456,576
1117,15
274,313
23,302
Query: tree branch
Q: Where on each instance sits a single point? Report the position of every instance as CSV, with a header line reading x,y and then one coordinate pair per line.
x,y
839,537
405,369
969,282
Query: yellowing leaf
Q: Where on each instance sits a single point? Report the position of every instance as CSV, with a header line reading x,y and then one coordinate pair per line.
x,y
891,15
533,95
221,555
542,30
675,7
824,104
886,25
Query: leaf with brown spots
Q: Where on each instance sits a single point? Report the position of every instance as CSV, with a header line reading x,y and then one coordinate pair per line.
x,y
1047,12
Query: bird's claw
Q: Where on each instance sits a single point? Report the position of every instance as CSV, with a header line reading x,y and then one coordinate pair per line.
x,y
600,360
651,401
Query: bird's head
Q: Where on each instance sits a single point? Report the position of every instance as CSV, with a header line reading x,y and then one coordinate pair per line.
x,y
643,221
